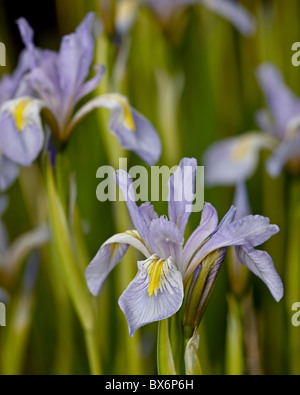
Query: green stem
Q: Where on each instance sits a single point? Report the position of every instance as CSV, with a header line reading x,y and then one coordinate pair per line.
x,y
74,277
92,352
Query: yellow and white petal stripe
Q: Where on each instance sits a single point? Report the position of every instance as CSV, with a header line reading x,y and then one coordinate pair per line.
x,y
21,132
155,294
119,106
134,132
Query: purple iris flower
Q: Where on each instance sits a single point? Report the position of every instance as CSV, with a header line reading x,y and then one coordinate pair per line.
x,y
58,82
12,86
281,119
234,160
228,9
157,292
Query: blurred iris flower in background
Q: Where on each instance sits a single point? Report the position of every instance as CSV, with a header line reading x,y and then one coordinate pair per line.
x,y
228,9
56,83
235,160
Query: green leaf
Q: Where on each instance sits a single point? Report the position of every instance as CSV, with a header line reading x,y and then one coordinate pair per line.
x,y
165,361
192,363
62,240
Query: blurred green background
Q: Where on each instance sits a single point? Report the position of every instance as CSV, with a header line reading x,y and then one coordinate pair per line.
x,y
195,80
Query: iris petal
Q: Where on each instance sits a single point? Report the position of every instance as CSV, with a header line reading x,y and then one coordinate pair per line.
x,y
21,132
182,189
109,255
261,264
139,307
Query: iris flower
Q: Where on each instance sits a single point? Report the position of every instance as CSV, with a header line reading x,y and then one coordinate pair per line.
x,y
12,86
234,160
228,9
157,292
58,82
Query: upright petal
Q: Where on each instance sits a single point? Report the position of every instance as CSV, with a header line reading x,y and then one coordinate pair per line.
x,y
134,132
208,224
181,196
27,34
282,102
74,61
148,212
8,173
234,160
261,264
109,255
90,85
155,294
21,132
167,239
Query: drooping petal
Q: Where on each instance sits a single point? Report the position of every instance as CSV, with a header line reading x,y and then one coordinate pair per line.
x,y
234,160
109,255
250,230
282,102
261,264
208,224
21,132
155,294
181,193
168,240
8,173
134,132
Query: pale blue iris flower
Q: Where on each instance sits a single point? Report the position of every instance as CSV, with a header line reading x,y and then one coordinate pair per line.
x,y
228,9
11,87
58,82
235,160
157,292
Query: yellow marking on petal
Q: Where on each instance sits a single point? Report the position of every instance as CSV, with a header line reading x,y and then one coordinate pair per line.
x,y
135,234
242,148
157,270
128,117
18,113
155,277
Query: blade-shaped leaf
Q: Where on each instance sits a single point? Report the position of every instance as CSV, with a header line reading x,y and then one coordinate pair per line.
x,y
165,361
192,363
